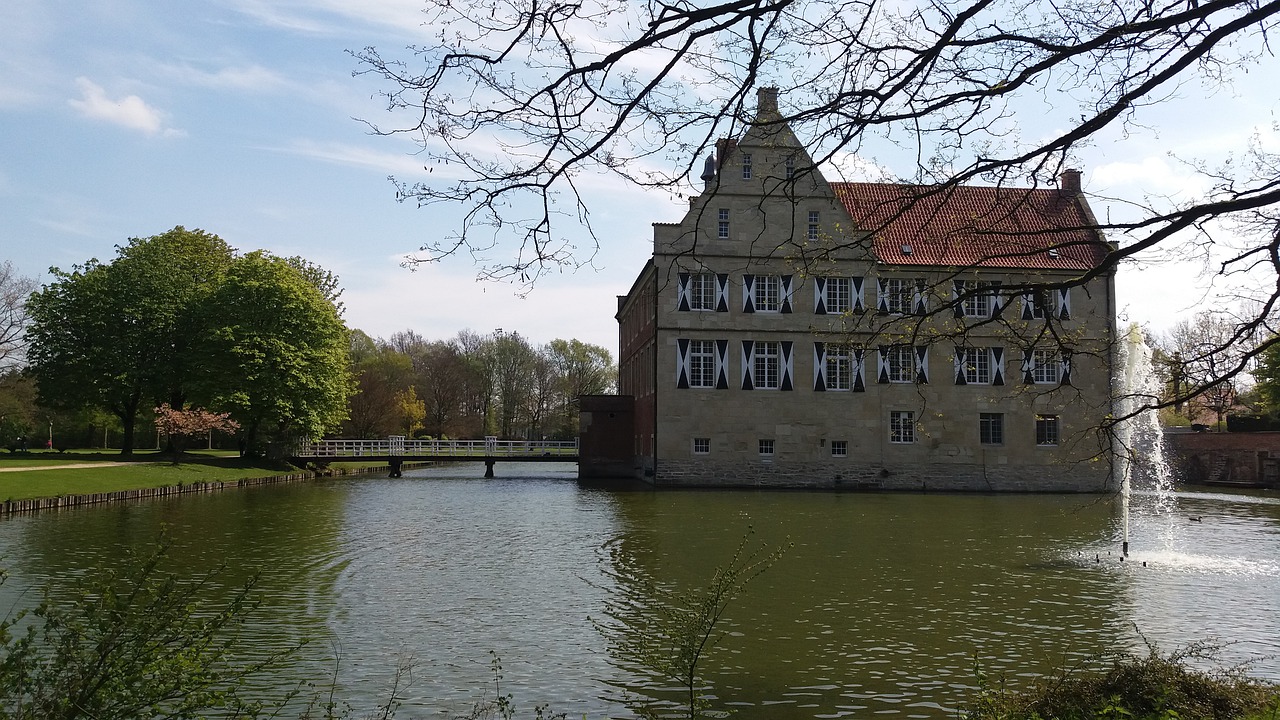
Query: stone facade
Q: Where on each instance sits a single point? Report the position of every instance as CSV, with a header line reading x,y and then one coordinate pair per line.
x,y
793,332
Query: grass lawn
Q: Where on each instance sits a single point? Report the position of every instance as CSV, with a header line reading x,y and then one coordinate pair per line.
x,y
101,472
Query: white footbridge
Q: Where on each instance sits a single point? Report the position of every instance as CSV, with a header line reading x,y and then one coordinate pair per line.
x,y
398,449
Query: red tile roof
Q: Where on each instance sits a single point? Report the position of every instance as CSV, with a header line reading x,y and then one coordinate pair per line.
x,y
967,226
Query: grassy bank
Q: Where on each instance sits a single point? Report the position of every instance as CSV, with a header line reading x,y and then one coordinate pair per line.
x,y
40,474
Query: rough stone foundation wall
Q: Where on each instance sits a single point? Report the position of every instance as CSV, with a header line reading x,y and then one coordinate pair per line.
x,y
1246,459
1085,478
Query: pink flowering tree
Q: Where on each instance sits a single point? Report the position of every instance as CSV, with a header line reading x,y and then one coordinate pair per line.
x,y
181,425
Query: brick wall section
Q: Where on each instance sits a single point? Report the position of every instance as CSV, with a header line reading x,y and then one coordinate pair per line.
x,y
1246,459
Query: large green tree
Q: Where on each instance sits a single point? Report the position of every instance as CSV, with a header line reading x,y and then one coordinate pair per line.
x,y
276,352
118,336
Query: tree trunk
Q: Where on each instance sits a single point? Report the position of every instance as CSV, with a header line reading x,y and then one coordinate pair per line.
x,y
126,438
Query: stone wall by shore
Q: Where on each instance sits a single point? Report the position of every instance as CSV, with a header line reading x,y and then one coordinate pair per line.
x,y
1247,459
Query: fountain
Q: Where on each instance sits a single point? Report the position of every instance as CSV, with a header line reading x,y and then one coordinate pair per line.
x,y
1138,439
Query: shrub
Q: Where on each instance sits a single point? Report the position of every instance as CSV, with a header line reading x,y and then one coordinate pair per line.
x,y
136,642
1156,686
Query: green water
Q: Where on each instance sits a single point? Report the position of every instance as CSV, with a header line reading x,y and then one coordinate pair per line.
x,y
880,606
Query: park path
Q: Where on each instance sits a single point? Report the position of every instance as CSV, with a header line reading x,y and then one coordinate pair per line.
x,y
68,466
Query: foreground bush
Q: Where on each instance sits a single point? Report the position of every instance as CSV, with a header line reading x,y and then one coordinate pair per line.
x,y
1156,686
133,643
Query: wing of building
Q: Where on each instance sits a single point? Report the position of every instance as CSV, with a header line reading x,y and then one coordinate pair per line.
x,y
795,332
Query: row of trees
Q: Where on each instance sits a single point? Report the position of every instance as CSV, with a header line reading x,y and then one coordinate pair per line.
x,y
181,321
473,385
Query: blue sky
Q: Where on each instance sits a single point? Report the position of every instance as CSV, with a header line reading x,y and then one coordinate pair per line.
x,y
239,117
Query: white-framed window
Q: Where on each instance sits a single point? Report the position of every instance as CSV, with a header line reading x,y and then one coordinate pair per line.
x,y
981,302
839,370
900,364
790,166
814,224
902,426
702,363
839,292
1047,430
722,223
991,428
1045,367
702,446
838,366
746,166
977,367
901,296
833,295
839,448
766,448
767,365
980,366
1040,303
702,291
767,292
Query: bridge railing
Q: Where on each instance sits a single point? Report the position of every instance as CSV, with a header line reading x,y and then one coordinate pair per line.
x,y
437,448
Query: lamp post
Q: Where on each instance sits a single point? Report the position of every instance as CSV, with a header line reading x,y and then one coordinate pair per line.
x,y
50,445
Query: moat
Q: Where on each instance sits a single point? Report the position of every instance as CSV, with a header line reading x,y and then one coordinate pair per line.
x,y
881,605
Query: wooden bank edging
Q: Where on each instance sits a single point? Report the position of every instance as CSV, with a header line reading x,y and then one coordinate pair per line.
x,y
9,507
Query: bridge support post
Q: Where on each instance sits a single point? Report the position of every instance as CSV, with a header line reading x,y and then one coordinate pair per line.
x,y
488,468
396,464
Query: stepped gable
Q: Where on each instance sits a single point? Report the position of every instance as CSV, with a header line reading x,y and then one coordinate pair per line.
x,y
975,226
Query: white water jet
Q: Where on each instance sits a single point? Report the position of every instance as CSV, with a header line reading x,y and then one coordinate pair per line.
x,y
1138,438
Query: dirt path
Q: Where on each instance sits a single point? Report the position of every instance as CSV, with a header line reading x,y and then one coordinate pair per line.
x,y
69,466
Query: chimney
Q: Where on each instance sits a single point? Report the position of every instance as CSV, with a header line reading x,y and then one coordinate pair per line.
x,y
1069,182
767,104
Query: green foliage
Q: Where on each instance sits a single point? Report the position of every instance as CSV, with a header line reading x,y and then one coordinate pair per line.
x,y
135,642
276,352
117,336
1156,686
666,632
1267,375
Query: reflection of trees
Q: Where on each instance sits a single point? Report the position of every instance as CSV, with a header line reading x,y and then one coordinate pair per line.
x,y
664,632
880,595
288,533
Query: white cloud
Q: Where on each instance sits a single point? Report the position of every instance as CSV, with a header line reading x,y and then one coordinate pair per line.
x,y
1151,175
334,17
130,111
253,78
398,164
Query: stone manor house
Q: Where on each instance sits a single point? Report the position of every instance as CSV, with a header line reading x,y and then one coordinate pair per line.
x,y
795,332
